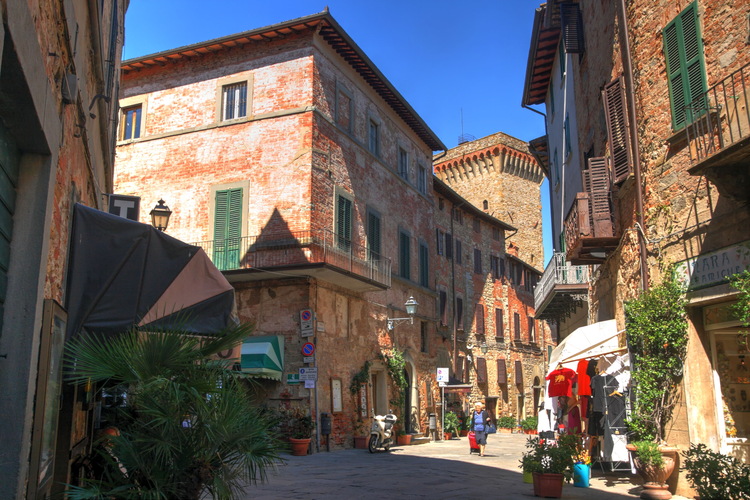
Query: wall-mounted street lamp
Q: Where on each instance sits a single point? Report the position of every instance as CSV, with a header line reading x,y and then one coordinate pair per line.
x,y
160,216
484,348
411,310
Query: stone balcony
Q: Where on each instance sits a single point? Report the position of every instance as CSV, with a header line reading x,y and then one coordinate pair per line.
x,y
315,253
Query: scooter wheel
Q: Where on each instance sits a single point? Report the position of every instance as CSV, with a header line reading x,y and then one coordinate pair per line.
x,y
372,445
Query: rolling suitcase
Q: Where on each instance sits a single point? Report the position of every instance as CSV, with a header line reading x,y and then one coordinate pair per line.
x,y
473,446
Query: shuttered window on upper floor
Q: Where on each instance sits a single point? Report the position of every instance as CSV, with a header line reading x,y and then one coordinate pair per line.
x,y
618,129
344,222
227,228
572,28
683,50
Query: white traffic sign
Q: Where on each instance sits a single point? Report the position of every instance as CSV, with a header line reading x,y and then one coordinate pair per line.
x,y
308,374
442,374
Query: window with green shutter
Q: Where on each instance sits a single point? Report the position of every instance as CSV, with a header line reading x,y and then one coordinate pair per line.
x,y
373,235
228,228
424,265
683,50
10,158
344,222
404,255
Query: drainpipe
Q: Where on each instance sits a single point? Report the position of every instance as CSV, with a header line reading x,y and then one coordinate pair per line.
x,y
625,50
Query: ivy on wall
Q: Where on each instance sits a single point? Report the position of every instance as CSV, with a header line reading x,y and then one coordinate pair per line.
x,y
656,328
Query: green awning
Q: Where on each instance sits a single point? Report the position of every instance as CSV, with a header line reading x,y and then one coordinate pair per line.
x,y
263,357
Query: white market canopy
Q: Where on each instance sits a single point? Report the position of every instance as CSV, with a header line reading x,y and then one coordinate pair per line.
x,y
589,341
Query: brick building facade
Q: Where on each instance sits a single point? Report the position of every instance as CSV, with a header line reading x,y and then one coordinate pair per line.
x,y
58,67
664,147
313,192
486,311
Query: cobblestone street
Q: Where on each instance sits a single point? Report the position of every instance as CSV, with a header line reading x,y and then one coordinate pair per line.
x,y
437,470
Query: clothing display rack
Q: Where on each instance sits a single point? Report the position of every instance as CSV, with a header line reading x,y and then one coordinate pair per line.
x,y
612,444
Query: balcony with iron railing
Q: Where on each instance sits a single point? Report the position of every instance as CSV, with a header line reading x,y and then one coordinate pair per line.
x,y
316,253
718,134
589,233
562,289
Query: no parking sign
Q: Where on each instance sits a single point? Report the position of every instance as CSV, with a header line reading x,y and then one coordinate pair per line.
x,y
308,349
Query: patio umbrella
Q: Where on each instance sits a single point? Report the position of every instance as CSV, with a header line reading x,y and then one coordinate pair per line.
x,y
585,342
123,274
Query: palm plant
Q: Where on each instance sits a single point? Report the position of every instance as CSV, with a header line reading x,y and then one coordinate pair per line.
x,y
188,426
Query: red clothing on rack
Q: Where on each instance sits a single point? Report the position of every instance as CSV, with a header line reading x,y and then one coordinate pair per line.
x,y
561,382
584,381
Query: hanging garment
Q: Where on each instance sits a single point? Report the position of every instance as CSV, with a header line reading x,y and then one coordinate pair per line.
x,y
561,382
619,368
584,381
574,420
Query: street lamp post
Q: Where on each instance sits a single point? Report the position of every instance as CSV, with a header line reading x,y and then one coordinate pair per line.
x,y
160,216
411,310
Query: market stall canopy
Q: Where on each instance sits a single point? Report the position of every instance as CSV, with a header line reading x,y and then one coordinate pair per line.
x,y
589,341
263,357
123,274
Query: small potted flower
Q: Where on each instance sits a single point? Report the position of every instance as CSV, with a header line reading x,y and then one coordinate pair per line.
x,y
551,463
581,467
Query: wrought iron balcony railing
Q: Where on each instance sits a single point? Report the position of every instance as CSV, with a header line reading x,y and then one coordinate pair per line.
x,y
563,286
719,118
298,249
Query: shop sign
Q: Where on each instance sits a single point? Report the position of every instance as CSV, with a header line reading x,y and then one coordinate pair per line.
x,y
292,378
713,268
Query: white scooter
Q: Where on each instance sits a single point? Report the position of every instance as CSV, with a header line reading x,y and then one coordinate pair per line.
x,y
381,432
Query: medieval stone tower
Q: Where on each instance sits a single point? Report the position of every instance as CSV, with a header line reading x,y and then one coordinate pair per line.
x,y
499,175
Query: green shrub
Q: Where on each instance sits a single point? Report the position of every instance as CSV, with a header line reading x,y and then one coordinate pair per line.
x,y
529,423
452,423
545,456
507,422
714,475
648,454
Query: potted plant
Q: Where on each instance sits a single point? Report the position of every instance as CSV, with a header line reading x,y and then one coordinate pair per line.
x,y
581,466
402,438
452,425
656,327
299,428
529,425
550,463
506,424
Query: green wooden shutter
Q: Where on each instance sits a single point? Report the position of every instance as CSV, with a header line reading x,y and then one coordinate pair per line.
x,y
683,49
424,269
344,222
228,228
404,256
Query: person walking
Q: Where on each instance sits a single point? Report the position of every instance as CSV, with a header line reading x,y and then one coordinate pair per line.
x,y
479,422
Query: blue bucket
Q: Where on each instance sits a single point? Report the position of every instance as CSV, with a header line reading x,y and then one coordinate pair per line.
x,y
581,474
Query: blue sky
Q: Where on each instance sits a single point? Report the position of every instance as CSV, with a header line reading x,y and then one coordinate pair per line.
x,y
461,65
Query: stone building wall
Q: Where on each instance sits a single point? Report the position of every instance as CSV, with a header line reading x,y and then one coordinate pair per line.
x,y
685,215
499,170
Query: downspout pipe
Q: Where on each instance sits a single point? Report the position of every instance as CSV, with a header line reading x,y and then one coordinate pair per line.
x,y
627,63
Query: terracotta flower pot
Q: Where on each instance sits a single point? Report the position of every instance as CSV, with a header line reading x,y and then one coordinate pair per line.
x,y
548,484
360,442
403,439
299,446
655,478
